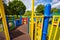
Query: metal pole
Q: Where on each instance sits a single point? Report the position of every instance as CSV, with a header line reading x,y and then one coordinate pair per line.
x,y
4,21
46,19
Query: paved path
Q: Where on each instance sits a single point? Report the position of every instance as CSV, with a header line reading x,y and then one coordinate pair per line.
x,y
20,33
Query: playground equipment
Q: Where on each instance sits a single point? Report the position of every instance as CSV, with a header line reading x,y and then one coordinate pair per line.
x,y
38,29
1,26
12,22
35,30
24,20
2,13
59,38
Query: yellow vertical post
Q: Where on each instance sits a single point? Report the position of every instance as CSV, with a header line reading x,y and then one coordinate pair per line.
x,y
32,24
4,21
41,28
38,28
56,29
59,38
51,28
35,38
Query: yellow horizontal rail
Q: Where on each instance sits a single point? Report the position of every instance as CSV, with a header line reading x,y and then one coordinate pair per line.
x,y
56,16
38,16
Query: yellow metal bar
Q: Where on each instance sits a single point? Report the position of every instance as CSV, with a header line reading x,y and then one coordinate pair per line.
x,y
56,29
51,29
59,38
36,28
32,24
41,28
4,21
56,16
38,16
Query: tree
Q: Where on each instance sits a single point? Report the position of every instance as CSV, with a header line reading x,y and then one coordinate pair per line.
x,y
54,10
17,7
40,9
7,11
28,13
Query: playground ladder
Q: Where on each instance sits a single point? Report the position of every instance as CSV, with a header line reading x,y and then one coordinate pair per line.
x,y
2,15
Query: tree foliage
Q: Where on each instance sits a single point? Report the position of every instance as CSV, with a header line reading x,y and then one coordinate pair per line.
x,y
28,13
17,7
40,9
7,11
54,10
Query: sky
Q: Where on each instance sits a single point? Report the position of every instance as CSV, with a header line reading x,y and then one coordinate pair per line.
x,y
37,2
28,3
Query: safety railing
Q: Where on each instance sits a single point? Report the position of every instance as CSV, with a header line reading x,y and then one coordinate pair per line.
x,y
52,28
55,22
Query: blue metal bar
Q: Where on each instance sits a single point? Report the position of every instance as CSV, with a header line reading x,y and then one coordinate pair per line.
x,y
20,19
8,27
7,22
46,19
19,22
13,21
